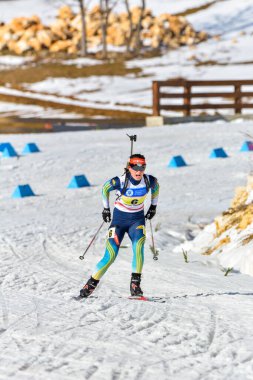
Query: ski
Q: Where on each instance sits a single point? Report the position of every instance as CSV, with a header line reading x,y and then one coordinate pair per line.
x,y
136,298
147,299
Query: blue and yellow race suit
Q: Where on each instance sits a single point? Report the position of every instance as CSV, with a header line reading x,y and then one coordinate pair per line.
x,y
128,217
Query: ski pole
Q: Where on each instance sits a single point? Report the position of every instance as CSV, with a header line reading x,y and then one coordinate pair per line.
x,y
153,249
133,138
92,240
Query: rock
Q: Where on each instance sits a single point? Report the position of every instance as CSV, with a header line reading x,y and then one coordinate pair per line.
x,y
148,12
188,31
35,44
93,29
113,18
59,28
72,49
174,44
157,31
5,32
123,17
76,23
156,41
167,40
95,12
76,39
147,22
22,46
60,46
125,26
64,34
3,44
136,13
65,13
120,40
146,34
164,17
190,41
17,24
45,37
202,36
95,41
27,35
241,195
177,24
21,23
18,47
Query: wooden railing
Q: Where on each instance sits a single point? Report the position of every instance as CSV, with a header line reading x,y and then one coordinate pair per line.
x,y
187,93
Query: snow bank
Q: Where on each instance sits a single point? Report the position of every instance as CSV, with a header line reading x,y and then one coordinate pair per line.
x,y
229,241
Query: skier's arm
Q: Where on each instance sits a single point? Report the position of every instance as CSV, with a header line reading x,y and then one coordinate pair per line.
x,y
110,185
154,185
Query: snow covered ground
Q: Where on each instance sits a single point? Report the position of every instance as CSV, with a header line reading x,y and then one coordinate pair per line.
x,y
203,330
47,9
228,56
28,111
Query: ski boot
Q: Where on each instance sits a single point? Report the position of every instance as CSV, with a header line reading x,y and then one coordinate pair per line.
x,y
89,288
135,287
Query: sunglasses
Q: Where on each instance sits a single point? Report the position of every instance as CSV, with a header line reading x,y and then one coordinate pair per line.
x,y
138,167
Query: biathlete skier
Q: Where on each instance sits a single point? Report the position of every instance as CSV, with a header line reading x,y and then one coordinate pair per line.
x,y
128,216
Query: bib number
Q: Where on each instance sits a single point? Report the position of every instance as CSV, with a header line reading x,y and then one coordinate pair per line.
x,y
111,233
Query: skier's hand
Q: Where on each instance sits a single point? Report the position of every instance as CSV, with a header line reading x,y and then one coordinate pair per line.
x,y
151,212
106,214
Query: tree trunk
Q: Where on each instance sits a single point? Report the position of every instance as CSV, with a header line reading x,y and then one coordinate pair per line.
x,y
84,49
103,7
138,32
130,37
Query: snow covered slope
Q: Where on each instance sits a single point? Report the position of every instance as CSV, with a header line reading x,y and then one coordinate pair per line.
x,y
203,330
227,54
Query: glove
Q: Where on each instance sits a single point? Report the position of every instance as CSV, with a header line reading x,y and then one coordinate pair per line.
x,y
106,214
151,212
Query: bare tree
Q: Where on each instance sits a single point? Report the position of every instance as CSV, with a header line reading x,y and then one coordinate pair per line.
x,y
138,42
83,10
131,26
135,30
106,6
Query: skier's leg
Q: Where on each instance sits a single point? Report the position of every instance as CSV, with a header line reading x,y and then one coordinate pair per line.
x,y
114,239
137,234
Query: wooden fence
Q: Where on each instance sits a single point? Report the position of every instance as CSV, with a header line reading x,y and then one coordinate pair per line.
x,y
187,92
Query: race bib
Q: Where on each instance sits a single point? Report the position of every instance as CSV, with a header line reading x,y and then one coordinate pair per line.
x,y
111,233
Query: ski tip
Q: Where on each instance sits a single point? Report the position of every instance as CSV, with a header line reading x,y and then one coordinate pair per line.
x,y
138,298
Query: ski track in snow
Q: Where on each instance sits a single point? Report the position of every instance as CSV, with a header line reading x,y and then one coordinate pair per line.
x,y
203,330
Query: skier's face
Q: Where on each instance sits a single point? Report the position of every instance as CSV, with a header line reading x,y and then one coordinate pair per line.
x,y
137,175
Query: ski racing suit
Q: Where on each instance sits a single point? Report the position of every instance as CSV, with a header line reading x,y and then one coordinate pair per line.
x,y
128,217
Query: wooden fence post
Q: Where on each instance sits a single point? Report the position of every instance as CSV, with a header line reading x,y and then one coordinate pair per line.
x,y
238,99
156,99
187,99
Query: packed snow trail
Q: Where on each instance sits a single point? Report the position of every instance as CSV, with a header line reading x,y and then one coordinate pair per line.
x,y
203,330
